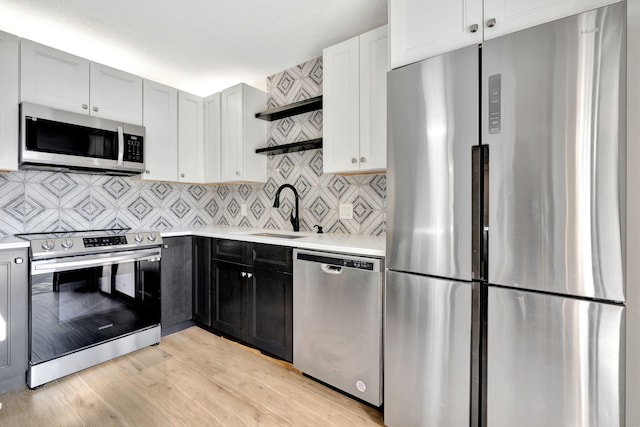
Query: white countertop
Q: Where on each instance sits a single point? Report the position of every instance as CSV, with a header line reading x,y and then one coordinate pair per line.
x,y
11,242
330,242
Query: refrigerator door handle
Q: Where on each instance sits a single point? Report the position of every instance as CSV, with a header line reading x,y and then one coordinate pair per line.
x,y
480,211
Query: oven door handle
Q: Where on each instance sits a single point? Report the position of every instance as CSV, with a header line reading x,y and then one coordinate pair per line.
x,y
66,264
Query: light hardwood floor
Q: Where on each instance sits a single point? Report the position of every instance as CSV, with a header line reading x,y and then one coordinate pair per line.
x,y
192,378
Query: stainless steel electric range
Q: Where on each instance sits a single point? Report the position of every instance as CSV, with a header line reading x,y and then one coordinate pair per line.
x,y
94,295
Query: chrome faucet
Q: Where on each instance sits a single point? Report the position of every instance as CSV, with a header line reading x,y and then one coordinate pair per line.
x,y
295,220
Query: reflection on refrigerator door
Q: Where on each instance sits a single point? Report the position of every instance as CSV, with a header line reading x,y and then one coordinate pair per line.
x,y
553,361
557,167
427,351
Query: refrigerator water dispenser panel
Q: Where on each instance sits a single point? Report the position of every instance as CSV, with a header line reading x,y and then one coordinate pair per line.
x,y
495,106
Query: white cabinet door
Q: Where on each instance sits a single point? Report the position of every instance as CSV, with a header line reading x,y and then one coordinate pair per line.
x,y
420,29
190,138
355,104
341,106
514,15
231,132
160,120
115,95
9,62
374,64
212,121
53,78
241,133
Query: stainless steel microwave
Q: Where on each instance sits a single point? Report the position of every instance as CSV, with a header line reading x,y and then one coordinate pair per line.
x,y
59,140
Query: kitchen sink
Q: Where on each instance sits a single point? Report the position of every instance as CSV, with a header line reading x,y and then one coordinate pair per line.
x,y
280,236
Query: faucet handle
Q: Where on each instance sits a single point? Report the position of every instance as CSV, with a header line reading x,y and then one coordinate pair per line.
x,y
319,227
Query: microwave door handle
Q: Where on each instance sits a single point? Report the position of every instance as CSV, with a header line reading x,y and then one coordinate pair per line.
x,y
120,146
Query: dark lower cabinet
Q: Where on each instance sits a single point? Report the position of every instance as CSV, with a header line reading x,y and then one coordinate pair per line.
x,y
176,281
14,286
202,294
270,305
245,291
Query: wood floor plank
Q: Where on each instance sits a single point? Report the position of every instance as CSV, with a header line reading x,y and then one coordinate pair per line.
x,y
191,378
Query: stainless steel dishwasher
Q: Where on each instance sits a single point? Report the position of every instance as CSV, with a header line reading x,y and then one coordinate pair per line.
x,y
337,321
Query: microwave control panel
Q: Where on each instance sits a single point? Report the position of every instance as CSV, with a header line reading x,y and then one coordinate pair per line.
x,y
133,149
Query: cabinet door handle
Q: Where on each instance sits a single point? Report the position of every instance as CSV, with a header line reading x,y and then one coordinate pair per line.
x,y
95,109
491,23
238,173
363,159
18,260
354,160
147,171
243,274
165,246
85,106
181,175
249,275
473,28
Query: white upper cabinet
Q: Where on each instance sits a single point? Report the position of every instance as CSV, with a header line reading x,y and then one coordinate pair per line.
x,y
355,104
420,29
212,121
53,78
115,95
190,138
241,133
160,120
507,16
60,80
9,58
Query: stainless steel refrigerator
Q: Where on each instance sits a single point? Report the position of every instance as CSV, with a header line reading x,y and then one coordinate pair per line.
x,y
505,294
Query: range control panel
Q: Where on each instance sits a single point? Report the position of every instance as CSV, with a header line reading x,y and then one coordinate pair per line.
x,y
92,242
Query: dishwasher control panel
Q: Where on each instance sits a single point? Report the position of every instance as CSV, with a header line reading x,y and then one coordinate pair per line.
x,y
341,262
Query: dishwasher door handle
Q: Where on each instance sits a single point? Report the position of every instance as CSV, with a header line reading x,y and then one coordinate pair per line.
x,y
331,269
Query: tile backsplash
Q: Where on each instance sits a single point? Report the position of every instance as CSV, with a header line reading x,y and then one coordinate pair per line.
x,y
34,201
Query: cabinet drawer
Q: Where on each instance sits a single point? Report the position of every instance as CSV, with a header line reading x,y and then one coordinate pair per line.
x,y
272,257
230,250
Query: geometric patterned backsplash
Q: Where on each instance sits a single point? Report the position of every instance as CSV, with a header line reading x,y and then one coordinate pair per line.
x,y
34,201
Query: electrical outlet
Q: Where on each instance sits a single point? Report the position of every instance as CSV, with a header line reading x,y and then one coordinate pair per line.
x,y
243,210
346,211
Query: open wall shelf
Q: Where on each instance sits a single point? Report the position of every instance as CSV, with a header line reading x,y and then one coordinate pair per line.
x,y
311,144
294,109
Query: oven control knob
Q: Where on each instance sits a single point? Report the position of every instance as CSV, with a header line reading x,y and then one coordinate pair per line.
x,y
139,238
151,237
47,245
67,243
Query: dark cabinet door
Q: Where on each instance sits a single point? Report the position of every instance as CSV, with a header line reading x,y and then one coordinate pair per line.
x,y
202,294
230,299
270,302
176,281
13,313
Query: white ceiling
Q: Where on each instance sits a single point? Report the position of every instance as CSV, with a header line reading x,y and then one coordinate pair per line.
x,y
199,46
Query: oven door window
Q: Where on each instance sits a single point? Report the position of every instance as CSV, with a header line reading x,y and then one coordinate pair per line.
x,y
75,309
